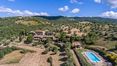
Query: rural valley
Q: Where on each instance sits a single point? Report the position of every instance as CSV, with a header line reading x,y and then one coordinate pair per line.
x,y
58,41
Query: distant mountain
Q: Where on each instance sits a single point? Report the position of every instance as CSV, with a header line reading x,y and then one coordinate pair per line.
x,y
50,17
77,19
64,19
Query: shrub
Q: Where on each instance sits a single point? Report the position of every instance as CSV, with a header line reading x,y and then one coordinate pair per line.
x,y
50,61
55,49
70,60
1,54
45,52
29,39
23,51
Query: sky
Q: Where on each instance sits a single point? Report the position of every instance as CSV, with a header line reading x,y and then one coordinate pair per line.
x,y
79,8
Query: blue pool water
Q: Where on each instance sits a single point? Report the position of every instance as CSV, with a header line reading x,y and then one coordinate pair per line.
x,y
92,57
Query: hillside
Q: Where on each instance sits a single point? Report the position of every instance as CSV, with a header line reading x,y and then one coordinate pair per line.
x,y
90,32
12,26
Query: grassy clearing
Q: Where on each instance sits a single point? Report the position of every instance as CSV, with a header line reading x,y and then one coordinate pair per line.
x,y
26,22
107,44
13,57
110,45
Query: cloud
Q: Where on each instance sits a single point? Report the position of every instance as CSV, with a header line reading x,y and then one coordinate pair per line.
x,y
11,0
97,1
80,3
21,13
63,9
76,10
76,1
73,1
112,3
109,14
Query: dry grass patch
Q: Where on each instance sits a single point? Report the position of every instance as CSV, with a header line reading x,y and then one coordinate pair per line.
x,y
27,22
107,44
13,57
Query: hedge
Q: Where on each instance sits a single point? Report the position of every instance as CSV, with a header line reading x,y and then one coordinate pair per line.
x,y
70,60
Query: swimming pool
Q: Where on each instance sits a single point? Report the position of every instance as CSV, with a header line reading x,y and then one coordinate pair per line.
x,y
92,57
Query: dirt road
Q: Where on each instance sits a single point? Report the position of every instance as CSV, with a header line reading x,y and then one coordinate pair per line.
x,y
35,59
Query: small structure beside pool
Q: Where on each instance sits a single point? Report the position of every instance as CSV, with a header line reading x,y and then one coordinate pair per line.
x,y
76,44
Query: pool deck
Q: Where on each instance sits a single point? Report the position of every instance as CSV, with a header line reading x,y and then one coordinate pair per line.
x,y
100,63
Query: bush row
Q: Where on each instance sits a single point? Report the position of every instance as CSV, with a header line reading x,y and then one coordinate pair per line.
x,y
70,60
